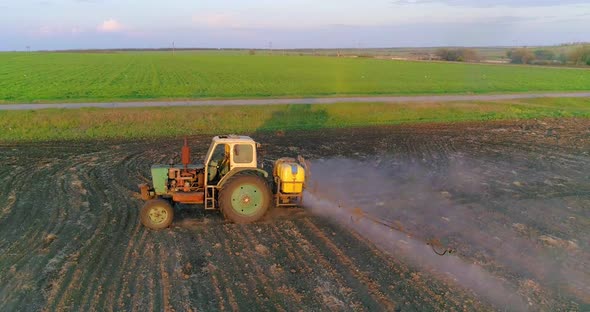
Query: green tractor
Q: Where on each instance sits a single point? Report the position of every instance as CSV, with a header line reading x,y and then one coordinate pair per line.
x,y
229,180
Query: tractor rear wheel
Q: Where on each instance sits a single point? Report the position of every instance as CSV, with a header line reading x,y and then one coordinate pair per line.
x,y
157,214
245,198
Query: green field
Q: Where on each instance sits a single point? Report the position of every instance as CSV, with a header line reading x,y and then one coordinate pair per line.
x,y
125,123
127,76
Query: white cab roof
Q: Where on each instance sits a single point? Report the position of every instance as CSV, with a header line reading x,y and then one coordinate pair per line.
x,y
233,139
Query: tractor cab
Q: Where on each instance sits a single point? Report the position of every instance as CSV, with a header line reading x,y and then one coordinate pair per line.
x,y
226,153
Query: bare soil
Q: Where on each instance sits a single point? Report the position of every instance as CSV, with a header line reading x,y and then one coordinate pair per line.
x,y
512,198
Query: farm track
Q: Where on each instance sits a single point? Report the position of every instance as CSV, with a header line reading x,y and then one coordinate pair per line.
x,y
70,237
301,101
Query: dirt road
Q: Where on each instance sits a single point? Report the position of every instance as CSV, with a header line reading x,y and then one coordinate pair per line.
x,y
512,198
282,101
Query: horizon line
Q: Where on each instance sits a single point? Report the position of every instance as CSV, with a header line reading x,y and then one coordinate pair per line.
x,y
296,49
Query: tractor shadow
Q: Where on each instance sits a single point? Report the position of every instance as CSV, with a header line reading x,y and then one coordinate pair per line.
x,y
275,131
295,117
195,216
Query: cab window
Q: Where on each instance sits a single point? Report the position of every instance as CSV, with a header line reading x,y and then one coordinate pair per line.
x,y
243,153
219,153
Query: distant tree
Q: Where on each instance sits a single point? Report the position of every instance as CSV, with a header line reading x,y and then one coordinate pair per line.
x,y
521,56
457,55
444,54
544,55
580,55
562,58
470,55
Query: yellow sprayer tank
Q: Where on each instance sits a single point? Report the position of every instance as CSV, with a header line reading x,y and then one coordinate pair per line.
x,y
291,175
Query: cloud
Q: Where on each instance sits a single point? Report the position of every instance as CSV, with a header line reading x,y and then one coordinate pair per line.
x,y
492,3
110,25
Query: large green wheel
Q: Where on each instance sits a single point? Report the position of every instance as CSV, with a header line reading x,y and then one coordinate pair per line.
x,y
245,198
157,214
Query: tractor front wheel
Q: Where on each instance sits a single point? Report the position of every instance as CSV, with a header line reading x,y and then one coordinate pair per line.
x,y
245,198
157,214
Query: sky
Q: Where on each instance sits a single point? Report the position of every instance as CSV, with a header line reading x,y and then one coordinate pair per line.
x,y
92,24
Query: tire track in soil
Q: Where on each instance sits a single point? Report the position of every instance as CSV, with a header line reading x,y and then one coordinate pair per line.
x,y
298,255
137,292
431,294
250,256
165,280
284,257
149,271
217,289
425,293
34,232
372,286
36,242
243,293
212,270
8,201
88,285
345,282
179,274
219,275
444,302
6,232
193,278
127,268
123,242
393,265
84,256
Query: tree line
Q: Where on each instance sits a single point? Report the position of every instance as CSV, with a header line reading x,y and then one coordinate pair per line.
x,y
579,55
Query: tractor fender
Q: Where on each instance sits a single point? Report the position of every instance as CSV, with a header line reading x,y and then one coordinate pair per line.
x,y
239,170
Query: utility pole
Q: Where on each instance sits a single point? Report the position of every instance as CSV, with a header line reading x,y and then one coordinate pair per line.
x,y
173,48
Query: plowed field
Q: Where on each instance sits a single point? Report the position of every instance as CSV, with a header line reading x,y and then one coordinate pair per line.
x,y
512,198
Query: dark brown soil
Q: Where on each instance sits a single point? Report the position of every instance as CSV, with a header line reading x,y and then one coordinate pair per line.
x,y
512,197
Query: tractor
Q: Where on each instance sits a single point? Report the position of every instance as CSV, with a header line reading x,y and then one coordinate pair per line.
x,y
229,180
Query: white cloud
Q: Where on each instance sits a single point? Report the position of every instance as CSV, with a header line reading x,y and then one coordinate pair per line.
x,y
110,25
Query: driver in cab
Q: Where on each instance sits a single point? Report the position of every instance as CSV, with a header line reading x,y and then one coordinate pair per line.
x,y
219,164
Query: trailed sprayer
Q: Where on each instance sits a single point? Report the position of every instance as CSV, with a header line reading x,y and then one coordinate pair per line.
x,y
229,180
